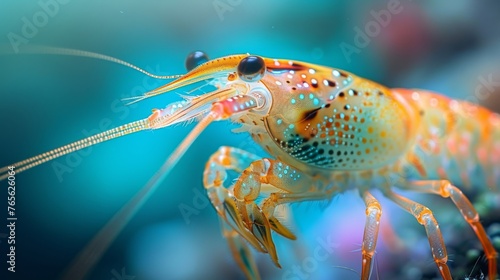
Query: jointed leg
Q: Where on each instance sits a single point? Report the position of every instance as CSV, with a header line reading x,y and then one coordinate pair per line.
x,y
233,227
425,217
446,189
241,252
236,205
373,213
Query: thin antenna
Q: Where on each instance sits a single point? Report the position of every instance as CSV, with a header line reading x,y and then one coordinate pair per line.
x,y
34,49
93,252
75,146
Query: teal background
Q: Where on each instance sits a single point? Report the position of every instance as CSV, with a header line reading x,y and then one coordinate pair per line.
x,y
47,101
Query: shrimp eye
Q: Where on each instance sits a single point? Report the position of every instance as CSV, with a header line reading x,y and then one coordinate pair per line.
x,y
195,58
251,68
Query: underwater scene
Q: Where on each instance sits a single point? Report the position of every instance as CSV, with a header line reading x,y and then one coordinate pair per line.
x,y
63,78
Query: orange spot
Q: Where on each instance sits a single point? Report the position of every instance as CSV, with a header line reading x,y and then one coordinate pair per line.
x,y
226,161
382,134
231,77
364,140
370,129
367,151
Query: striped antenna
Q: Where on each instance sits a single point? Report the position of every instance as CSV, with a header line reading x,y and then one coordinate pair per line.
x,y
75,146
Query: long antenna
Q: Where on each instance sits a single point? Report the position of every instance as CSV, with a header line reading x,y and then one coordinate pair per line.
x,y
94,250
34,49
75,146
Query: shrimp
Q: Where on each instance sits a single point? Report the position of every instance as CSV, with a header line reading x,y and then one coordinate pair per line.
x,y
326,131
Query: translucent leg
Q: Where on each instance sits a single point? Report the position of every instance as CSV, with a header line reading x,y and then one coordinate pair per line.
x,y
224,202
447,190
425,217
236,205
241,252
373,213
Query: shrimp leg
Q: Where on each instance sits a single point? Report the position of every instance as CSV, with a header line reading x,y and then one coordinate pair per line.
x,y
227,158
425,217
236,205
373,213
445,189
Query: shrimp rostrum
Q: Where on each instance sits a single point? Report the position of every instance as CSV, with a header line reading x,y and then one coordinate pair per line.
x,y
326,131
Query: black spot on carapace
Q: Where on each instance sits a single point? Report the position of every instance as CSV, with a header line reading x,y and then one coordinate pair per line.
x,y
331,83
294,88
314,85
421,112
327,105
355,92
343,74
309,115
285,67
347,107
380,93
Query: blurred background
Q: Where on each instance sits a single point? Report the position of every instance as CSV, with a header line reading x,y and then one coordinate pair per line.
x,y
46,101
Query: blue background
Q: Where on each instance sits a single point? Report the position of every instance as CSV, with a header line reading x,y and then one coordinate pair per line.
x,y
47,101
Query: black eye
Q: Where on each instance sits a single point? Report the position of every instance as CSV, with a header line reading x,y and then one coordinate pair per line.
x,y
195,58
251,68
